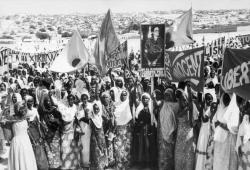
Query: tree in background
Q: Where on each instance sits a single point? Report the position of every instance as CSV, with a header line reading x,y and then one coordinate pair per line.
x,y
42,35
66,34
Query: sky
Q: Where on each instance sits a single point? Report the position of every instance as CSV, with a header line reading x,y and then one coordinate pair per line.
x,y
8,7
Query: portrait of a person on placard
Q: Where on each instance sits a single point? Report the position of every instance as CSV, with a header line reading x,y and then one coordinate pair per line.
x,y
154,49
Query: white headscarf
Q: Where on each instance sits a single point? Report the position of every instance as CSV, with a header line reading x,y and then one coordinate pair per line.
x,y
116,94
167,116
97,118
220,134
150,106
31,114
122,112
232,115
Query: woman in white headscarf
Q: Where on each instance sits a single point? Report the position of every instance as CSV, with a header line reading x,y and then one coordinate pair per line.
x,y
225,157
201,149
98,149
108,109
83,113
167,126
70,145
123,136
145,141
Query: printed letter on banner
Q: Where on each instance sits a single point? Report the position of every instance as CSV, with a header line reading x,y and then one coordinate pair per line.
x,y
186,66
236,72
118,57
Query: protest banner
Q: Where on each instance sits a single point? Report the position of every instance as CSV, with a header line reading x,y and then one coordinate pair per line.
x,y
186,66
152,47
244,39
22,57
118,57
236,72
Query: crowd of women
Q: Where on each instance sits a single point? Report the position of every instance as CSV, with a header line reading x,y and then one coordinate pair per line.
x,y
85,121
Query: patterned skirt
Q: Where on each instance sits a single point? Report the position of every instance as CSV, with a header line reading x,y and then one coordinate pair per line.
x,y
165,152
53,151
98,152
122,146
184,152
70,151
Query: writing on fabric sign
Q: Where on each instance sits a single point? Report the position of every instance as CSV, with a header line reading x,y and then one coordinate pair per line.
x,y
186,66
156,72
117,57
244,39
4,57
214,50
236,72
17,56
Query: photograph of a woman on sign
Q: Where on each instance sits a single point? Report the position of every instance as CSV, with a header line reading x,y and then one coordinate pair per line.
x,y
152,46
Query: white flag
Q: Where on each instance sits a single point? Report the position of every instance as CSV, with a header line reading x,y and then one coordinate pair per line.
x,y
74,56
182,33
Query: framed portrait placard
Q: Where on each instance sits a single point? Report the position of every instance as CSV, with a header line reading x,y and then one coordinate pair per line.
x,y
152,47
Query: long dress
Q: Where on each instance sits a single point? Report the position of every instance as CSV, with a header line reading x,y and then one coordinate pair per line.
x,y
123,136
38,143
85,136
224,146
98,154
210,149
166,145
225,152
108,128
70,148
243,142
184,152
21,155
145,143
52,129
122,146
201,150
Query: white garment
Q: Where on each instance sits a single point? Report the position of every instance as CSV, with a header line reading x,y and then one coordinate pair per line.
x,y
86,134
220,134
21,155
32,114
244,131
122,112
232,115
202,144
68,113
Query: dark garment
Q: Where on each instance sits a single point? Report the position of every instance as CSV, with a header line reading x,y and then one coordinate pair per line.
x,y
37,140
98,157
154,51
165,150
108,127
144,144
52,130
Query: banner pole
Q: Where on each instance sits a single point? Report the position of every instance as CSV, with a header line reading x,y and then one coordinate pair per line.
x,y
152,85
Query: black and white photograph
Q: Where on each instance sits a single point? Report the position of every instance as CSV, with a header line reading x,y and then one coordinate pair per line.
x,y
124,84
152,45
